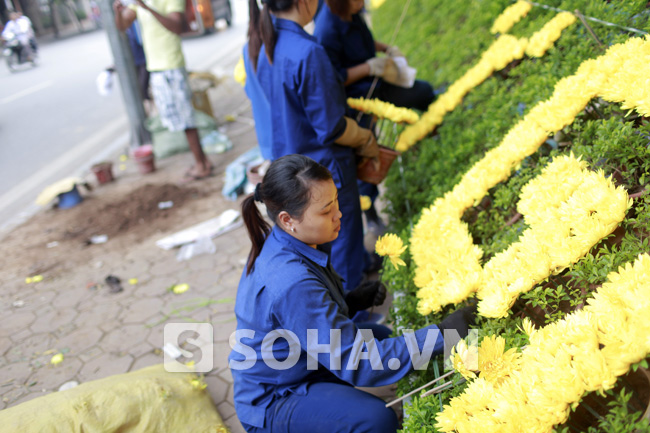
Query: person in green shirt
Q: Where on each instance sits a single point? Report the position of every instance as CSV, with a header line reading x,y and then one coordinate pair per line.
x,y
162,21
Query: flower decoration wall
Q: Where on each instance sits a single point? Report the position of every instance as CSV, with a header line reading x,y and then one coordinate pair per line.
x,y
581,353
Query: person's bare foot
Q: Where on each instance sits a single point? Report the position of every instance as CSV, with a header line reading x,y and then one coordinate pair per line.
x,y
194,173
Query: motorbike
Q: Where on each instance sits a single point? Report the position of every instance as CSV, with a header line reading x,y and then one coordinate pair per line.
x,y
15,53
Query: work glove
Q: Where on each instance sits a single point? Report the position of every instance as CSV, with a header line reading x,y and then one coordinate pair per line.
x,y
460,320
377,65
366,295
391,72
393,51
361,139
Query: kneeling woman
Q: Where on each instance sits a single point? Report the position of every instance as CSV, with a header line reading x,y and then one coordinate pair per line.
x,y
297,355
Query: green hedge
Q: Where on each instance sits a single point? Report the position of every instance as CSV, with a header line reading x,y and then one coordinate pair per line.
x,y
443,39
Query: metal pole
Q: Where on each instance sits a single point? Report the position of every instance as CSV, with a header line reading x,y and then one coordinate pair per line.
x,y
125,68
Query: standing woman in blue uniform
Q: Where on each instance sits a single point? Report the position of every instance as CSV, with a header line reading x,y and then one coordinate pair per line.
x,y
342,30
307,107
290,302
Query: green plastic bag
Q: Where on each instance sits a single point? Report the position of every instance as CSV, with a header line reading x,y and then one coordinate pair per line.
x,y
167,143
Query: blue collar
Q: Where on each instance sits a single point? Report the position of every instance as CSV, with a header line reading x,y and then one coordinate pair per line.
x,y
319,255
292,26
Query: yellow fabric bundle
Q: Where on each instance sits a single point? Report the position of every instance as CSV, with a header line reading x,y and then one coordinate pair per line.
x,y
147,400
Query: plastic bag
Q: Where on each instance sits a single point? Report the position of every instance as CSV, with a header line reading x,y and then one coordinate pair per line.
x,y
104,82
216,142
202,245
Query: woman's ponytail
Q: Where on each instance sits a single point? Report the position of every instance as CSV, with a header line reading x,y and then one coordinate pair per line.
x,y
269,37
254,35
261,29
258,228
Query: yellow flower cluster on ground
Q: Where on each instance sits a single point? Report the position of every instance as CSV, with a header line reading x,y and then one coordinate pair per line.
x,y
366,202
502,51
581,353
391,245
447,262
510,16
384,110
541,41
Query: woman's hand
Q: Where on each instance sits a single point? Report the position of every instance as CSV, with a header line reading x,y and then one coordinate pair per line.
x,y
460,320
393,51
366,295
377,65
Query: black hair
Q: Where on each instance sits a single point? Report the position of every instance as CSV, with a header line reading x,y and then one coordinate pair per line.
x,y
339,8
286,187
260,27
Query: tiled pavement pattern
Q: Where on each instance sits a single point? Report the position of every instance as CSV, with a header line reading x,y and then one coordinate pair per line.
x,y
103,334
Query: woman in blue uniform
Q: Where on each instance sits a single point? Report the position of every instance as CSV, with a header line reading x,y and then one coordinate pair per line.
x,y
291,305
342,30
307,108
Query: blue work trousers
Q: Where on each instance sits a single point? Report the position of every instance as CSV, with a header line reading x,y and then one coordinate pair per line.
x,y
327,408
331,407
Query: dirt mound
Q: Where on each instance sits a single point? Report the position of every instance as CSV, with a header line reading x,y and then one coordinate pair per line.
x,y
60,238
139,209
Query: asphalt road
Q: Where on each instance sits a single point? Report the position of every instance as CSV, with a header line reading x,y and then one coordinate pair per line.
x,y
54,123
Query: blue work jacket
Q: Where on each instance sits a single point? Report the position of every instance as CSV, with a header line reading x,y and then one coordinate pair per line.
x,y
348,44
293,287
261,108
307,101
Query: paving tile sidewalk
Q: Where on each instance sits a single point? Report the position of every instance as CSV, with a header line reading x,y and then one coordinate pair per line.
x,y
105,334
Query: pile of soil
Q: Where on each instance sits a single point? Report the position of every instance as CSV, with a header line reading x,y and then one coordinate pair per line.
x,y
139,209
60,238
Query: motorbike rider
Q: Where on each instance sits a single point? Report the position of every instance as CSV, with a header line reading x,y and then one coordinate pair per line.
x,y
20,27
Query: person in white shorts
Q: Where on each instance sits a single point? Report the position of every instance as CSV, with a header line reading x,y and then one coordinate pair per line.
x,y
162,21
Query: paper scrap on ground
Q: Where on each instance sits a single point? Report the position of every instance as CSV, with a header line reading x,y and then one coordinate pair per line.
x,y
227,221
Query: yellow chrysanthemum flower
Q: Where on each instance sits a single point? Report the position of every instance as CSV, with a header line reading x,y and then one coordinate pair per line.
x,y
465,360
495,364
56,359
366,202
392,246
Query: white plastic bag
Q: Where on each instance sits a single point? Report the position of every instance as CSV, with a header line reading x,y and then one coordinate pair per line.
x,y
202,245
104,82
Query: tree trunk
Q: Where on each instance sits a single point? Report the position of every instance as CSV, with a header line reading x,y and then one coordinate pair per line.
x,y
33,12
54,15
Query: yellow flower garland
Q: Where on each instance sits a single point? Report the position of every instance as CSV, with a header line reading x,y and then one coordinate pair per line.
x,y
510,16
384,110
502,51
541,41
447,262
581,353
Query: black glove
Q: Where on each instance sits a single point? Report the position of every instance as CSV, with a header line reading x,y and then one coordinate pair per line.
x,y
366,295
460,320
